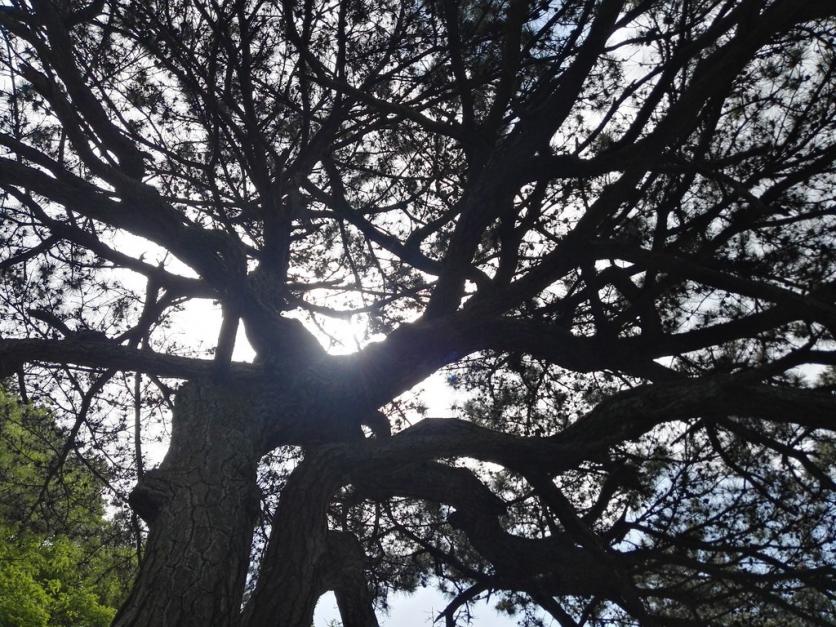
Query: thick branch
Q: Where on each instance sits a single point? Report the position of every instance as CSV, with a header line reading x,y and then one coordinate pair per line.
x,y
105,354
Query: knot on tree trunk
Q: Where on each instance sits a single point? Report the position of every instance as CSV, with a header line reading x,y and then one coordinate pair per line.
x,y
150,495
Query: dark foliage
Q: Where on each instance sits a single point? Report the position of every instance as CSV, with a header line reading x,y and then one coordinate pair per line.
x,y
610,223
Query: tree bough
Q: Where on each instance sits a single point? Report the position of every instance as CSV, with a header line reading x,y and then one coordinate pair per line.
x,y
609,223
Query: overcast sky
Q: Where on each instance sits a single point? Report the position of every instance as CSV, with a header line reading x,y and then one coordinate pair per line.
x,y
417,610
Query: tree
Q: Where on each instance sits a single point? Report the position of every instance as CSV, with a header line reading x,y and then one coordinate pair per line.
x,y
610,222
61,562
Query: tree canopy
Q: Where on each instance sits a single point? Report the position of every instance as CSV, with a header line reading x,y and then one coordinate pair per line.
x,y
608,223
61,562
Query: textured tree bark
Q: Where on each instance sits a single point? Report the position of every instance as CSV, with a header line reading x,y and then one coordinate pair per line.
x,y
200,505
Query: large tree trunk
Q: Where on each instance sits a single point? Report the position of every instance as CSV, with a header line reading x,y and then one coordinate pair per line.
x,y
289,583
201,506
304,559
